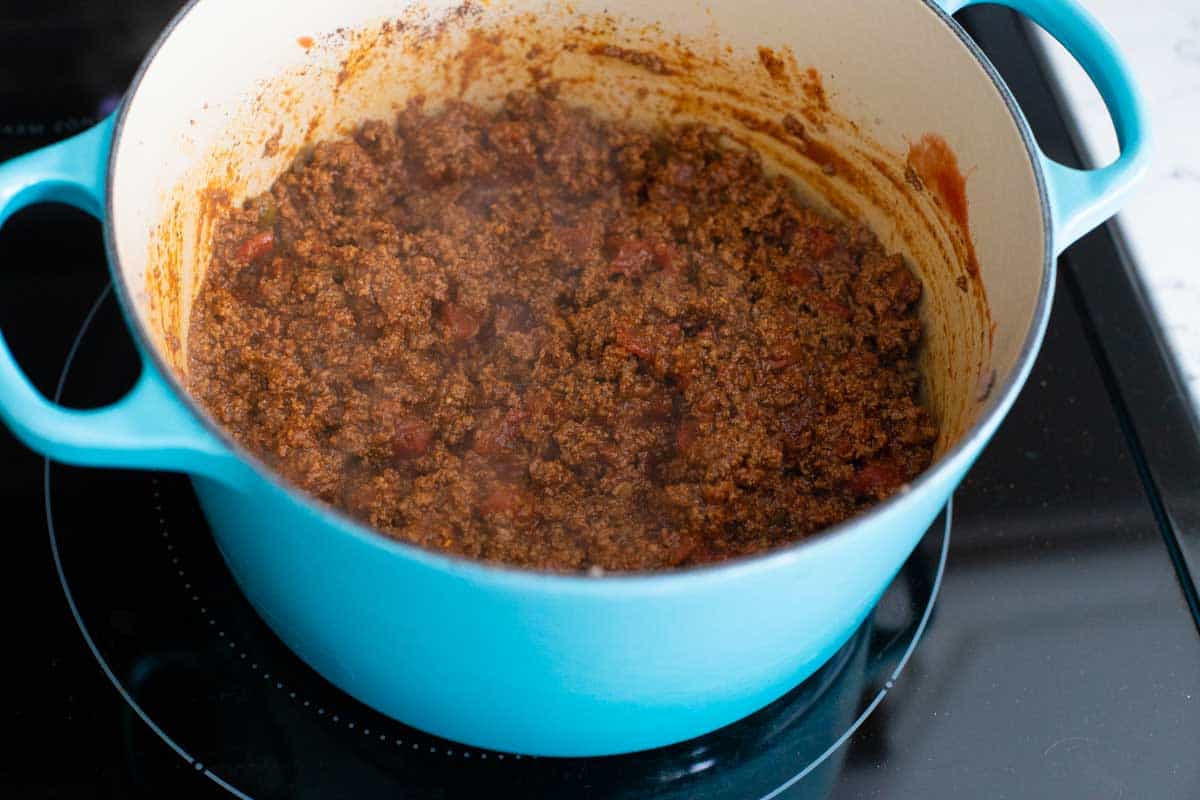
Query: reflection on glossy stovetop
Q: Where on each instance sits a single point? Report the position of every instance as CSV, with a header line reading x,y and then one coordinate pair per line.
x,y
1062,659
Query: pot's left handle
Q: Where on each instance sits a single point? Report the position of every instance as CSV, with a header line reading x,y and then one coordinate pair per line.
x,y
1083,199
148,428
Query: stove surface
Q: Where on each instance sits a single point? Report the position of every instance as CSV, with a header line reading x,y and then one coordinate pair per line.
x,y
1044,644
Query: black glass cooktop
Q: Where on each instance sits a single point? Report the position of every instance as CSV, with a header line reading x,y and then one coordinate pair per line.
x,y
1042,641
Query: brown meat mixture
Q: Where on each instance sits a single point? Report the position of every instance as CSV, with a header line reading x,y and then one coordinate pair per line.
x,y
539,338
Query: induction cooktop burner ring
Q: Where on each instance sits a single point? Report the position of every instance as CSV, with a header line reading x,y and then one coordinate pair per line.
x,y
62,578
260,670
319,711
891,681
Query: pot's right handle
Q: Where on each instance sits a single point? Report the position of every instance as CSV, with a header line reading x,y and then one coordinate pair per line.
x,y
1081,200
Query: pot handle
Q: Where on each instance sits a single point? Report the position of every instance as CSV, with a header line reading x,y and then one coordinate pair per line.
x,y
148,428
1081,200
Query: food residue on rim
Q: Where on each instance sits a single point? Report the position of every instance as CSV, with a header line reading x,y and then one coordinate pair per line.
x,y
648,61
306,42
786,74
774,66
271,145
931,158
480,48
814,88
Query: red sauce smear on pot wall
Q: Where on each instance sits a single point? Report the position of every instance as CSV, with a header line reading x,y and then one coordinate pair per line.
x,y
775,67
937,166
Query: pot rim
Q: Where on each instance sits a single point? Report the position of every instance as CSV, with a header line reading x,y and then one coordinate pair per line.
x,y
959,456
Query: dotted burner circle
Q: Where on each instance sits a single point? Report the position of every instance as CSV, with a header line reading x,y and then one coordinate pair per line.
x,y
313,698
202,673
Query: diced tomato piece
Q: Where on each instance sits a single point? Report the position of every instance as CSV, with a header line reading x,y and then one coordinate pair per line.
x,y
635,343
635,256
255,247
505,498
632,258
801,277
833,307
877,478
462,323
411,438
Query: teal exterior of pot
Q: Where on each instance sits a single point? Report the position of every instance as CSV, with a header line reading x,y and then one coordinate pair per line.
x,y
562,665
553,665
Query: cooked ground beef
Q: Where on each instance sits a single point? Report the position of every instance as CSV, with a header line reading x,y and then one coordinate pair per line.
x,y
539,338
